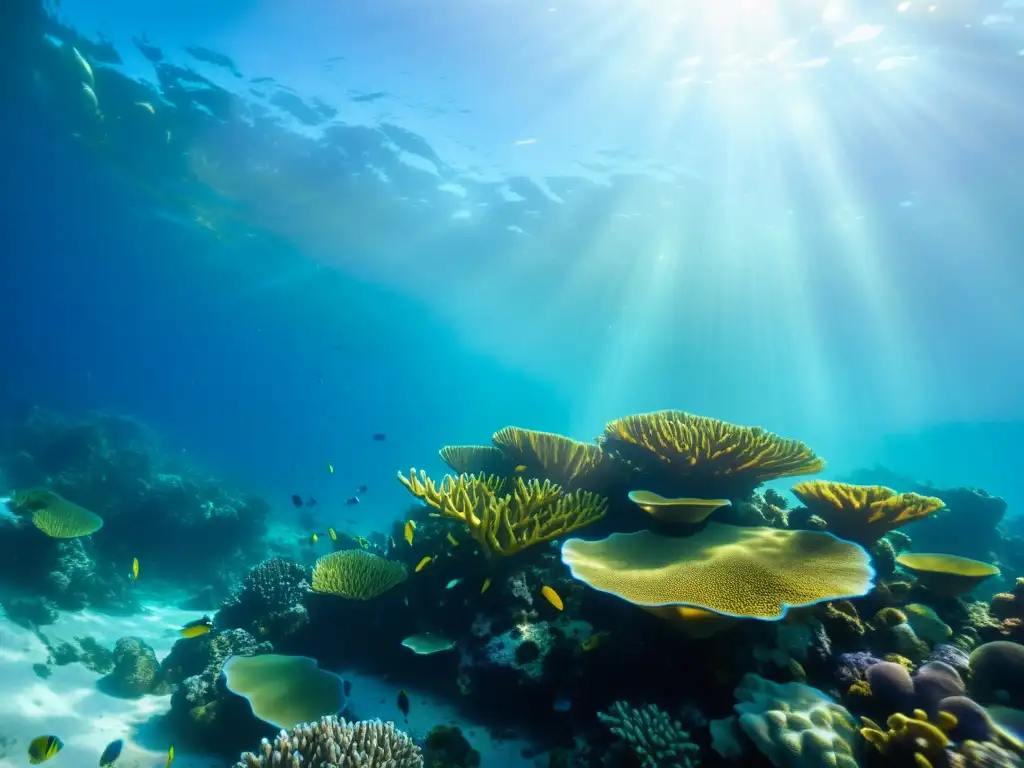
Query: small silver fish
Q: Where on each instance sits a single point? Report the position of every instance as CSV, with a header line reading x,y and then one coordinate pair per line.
x,y
86,67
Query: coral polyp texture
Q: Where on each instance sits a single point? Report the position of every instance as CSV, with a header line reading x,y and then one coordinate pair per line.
x,y
356,574
506,523
706,457
477,459
565,461
653,737
54,515
334,743
863,513
743,572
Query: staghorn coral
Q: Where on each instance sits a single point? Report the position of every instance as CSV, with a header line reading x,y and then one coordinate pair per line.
x,y
334,743
356,574
740,572
656,740
794,725
566,462
503,525
912,740
706,457
477,459
863,513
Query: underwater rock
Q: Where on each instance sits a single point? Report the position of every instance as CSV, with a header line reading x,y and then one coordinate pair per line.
x,y
84,650
447,747
997,674
135,670
30,612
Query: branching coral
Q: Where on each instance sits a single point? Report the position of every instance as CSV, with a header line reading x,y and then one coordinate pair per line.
x,y
562,460
707,457
912,740
654,737
334,743
503,525
356,574
742,572
863,513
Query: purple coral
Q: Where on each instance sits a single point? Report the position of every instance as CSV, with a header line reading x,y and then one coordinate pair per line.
x,y
850,667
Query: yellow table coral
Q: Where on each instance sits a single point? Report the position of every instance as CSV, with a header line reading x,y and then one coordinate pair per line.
x,y
707,457
505,523
356,574
744,572
863,513
473,459
567,462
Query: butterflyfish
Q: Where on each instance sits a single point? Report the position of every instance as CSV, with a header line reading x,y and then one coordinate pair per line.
x,y
486,586
42,748
452,540
111,753
135,569
196,628
410,526
403,704
552,597
423,563
313,539
333,534
170,756
521,468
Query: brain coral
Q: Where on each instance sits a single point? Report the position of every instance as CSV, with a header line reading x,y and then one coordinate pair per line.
x,y
742,572
356,574
794,725
334,742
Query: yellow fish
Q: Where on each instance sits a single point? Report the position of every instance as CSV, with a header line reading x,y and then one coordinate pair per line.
x,y
170,756
423,563
409,528
521,468
362,542
330,467
333,534
486,586
552,597
135,569
452,540
196,628
313,539
42,748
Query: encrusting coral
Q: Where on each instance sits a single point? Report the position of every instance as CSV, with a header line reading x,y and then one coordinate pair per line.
x,y
863,513
356,574
741,572
706,457
503,525
655,739
334,743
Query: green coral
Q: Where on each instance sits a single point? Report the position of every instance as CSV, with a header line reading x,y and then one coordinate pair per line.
x,y
652,735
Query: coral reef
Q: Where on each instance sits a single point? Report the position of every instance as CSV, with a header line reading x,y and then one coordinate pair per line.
x,y
656,740
334,742
356,575
135,670
269,601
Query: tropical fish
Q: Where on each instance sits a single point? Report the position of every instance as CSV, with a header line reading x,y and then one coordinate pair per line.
x,y
362,489
379,437
552,597
313,539
452,540
135,569
351,501
330,467
403,703
170,756
423,563
86,67
146,106
333,534
453,583
196,628
310,502
363,542
486,586
42,748
111,753
594,640
520,468
297,500
410,526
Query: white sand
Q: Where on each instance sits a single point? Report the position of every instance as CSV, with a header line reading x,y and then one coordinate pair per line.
x,y
69,705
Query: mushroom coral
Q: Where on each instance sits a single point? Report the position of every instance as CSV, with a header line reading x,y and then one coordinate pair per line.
x,y
704,457
54,515
863,513
356,574
754,573
504,524
567,462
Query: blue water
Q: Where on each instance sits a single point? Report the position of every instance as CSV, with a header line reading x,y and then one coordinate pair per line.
x,y
542,214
